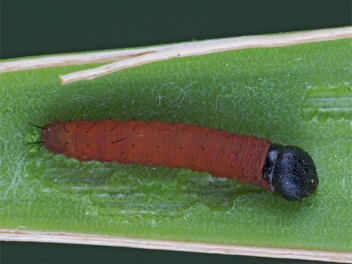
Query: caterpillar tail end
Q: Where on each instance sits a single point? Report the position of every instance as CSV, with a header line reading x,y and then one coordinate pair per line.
x,y
290,171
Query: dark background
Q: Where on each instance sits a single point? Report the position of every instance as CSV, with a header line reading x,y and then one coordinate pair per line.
x,y
44,27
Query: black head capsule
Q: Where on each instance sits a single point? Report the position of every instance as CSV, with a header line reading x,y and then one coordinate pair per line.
x,y
290,171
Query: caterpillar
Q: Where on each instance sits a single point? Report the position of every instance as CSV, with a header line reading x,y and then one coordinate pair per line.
x,y
286,170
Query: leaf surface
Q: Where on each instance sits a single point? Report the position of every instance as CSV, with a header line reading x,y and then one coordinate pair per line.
x,y
295,95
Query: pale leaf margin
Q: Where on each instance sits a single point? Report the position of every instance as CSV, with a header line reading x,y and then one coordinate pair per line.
x,y
99,240
135,57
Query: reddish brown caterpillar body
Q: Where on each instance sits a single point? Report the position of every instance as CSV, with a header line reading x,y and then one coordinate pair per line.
x,y
175,145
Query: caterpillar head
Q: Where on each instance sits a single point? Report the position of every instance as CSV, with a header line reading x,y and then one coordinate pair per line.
x,y
290,171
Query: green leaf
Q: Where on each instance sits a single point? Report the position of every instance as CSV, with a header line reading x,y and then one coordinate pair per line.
x,y
295,95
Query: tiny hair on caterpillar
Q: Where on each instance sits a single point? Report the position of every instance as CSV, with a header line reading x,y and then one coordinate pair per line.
x,y
286,170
